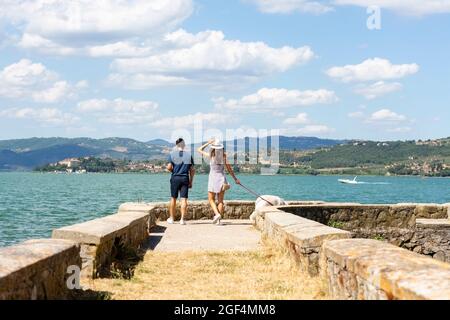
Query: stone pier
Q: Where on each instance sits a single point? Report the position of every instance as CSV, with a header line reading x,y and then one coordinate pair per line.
x,y
366,269
37,269
396,251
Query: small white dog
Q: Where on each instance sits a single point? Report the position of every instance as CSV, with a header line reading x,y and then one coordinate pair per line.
x,y
261,203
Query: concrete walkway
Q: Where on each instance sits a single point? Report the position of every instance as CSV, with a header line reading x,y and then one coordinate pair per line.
x,y
202,235
202,261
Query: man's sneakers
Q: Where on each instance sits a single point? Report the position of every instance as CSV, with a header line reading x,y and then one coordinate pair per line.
x,y
216,219
170,221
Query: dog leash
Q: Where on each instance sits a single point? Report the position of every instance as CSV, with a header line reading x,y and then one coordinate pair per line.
x,y
255,194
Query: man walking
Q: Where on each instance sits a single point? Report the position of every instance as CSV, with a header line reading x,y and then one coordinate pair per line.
x,y
181,164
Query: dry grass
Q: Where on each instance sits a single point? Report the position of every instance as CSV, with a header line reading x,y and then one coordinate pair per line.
x,y
264,274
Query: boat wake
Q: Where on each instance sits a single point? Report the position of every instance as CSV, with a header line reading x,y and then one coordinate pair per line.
x,y
354,181
382,183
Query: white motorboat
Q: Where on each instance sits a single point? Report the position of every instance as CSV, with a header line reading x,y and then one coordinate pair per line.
x,y
348,181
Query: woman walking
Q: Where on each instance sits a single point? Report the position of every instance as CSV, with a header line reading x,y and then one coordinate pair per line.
x,y
217,182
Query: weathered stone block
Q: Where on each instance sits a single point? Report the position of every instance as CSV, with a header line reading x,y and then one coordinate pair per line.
x,y
432,237
91,232
101,238
37,269
431,211
303,237
314,236
437,224
136,207
383,271
198,210
137,226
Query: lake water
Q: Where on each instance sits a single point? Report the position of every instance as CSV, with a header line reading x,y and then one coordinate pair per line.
x,y
32,204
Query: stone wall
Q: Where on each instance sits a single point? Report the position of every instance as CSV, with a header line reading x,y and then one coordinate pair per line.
x,y
355,268
395,224
102,239
355,216
37,269
200,210
365,269
431,237
302,237
316,234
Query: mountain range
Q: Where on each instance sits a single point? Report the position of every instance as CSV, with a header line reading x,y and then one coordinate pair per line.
x,y
26,154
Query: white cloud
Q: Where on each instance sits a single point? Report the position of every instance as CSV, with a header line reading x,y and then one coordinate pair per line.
x,y
309,130
125,48
26,79
33,41
142,81
386,119
140,33
267,99
115,49
120,111
45,116
400,130
356,115
290,6
78,26
301,118
403,7
119,49
188,121
16,78
406,7
278,113
378,89
59,91
315,129
386,116
210,51
372,70
206,58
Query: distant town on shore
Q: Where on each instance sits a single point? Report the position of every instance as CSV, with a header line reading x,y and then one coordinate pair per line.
x,y
351,157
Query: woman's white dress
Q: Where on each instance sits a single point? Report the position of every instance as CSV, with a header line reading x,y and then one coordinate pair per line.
x,y
216,175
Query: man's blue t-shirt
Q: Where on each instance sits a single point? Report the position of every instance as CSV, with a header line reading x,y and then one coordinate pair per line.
x,y
181,162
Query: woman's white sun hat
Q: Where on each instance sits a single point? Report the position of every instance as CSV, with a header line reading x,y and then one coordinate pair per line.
x,y
217,145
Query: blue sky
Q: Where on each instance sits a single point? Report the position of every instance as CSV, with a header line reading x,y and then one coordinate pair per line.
x,y
143,69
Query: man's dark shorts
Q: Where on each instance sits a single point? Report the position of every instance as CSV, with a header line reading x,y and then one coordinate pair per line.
x,y
179,184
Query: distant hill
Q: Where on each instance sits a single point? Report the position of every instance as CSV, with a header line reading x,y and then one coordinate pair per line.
x,y
23,145
287,143
427,158
377,153
308,155
160,142
25,154
307,143
10,160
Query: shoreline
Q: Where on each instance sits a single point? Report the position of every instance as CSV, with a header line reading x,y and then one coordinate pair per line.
x,y
240,174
